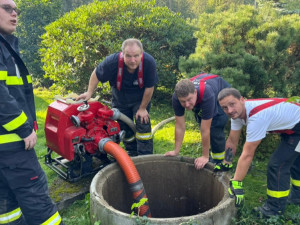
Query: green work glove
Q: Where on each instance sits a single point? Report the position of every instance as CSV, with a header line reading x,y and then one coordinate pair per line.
x,y
222,167
236,191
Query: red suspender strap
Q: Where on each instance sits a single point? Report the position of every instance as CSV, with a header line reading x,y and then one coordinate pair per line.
x,y
35,125
202,84
121,71
274,101
140,74
199,75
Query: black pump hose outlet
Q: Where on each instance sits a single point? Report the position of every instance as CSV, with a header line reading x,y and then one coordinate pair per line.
x,y
83,139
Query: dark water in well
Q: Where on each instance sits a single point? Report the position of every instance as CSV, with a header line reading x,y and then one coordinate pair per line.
x,y
174,189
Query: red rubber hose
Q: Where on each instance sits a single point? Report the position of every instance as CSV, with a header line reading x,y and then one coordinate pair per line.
x,y
131,174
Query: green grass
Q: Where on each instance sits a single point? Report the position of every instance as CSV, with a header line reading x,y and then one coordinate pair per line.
x,y
255,181
43,98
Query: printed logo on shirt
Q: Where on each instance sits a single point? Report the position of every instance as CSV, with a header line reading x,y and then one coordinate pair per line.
x,y
135,82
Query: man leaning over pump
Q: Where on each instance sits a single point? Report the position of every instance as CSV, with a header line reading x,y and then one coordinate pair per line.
x,y
132,76
261,116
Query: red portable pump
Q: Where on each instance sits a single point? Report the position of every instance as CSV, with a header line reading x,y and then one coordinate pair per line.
x,y
74,132
82,134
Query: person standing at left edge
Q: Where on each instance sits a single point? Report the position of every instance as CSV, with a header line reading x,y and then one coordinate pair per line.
x,y
24,196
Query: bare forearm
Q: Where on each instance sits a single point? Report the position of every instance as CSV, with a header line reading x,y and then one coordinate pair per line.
x,y
242,167
233,140
93,83
230,144
245,160
179,134
146,98
205,136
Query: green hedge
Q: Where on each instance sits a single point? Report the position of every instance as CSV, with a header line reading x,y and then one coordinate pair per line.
x,y
77,42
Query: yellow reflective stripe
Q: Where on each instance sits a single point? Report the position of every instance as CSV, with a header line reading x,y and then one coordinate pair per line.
x,y
53,220
219,156
143,136
295,182
15,123
130,139
8,138
10,216
3,75
29,80
278,194
13,80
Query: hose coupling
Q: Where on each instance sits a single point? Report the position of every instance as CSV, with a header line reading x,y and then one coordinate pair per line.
x,y
116,114
101,144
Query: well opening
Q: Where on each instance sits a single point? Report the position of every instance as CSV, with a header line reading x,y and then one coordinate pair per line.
x,y
175,189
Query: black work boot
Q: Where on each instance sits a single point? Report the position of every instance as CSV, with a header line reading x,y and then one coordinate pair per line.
x,y
132,153
265,211
295,201
222,167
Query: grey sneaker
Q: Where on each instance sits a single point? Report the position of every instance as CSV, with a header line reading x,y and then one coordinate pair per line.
x,y
265,212
295,201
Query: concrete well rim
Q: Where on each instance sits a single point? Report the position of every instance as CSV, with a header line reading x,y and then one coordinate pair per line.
x,y
225,202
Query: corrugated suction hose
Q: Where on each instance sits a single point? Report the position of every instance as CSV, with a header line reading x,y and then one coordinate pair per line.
x,y
131,173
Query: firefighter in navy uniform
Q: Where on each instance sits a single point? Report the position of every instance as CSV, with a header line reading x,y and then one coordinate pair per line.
x,y
24,197
261,116
199,94
132,76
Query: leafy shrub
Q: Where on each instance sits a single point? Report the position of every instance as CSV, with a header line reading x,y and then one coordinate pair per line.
x,y
77,42
256,51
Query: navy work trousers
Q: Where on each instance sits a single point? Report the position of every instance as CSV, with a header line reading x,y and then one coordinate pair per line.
x,y
217,135
136,144
284,164
23,186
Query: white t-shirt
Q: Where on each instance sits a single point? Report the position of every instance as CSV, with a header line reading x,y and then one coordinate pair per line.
x,y
281,116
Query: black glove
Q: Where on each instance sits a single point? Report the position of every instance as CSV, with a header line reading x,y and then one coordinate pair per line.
x,y
236,191
222,167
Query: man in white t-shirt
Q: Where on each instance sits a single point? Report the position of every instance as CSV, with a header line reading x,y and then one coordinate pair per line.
x,y
262,116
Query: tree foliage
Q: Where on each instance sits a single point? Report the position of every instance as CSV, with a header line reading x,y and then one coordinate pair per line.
x,y
184,7
257,51
36,14
77,42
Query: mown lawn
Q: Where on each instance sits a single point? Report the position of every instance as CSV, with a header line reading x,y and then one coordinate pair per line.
x,y
255,182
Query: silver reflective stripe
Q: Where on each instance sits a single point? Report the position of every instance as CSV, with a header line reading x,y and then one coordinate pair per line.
x,y
143,136
128,140
11,216
297,149
57,220
217,156
17,71
53,220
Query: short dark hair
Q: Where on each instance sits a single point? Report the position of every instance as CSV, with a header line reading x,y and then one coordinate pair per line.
x,y
184,87
227,92
132,41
